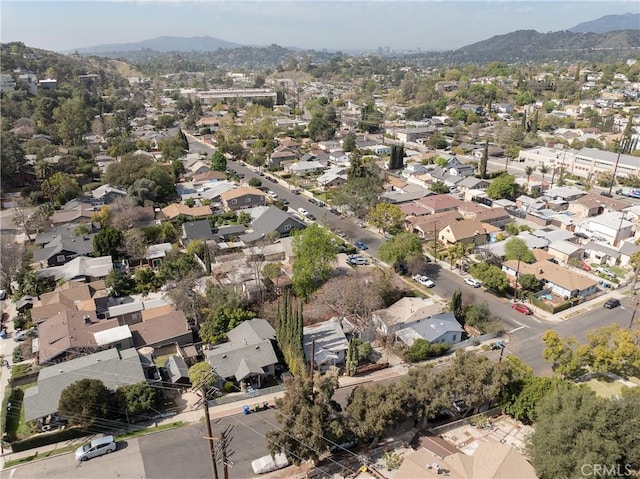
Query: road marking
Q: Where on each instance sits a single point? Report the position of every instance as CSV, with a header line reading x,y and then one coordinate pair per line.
x,y
517,329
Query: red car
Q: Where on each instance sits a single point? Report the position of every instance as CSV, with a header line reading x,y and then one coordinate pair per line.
x,y
522,308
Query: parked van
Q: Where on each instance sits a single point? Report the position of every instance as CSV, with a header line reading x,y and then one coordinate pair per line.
x,y
269,463
95,448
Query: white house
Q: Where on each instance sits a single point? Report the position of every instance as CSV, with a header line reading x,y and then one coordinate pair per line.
x,y
439,328
327,343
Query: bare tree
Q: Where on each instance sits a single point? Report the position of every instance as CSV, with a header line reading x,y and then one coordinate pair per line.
x,y
126,214
11,257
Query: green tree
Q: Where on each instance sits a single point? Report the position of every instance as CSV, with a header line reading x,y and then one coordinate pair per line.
x,y
421,349
439,187
516,249
575,427
165,183
349,142
528,171
484,160
137,398
456,307
309,417
289,333
126,171
62,188
218,161
222,320
503,187
491,276
561,353
525,404
400,248
387,217
108,242
202,373
315,254
143,190
85,402
477,315
255,182
119,282
530,282
12,160
72,119
543,169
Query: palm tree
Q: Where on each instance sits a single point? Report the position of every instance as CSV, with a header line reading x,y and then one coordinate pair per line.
x,y
529,171
544,169
458,251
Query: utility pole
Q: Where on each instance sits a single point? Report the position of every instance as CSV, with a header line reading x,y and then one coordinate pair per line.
x,y
207,420
223,445
633,315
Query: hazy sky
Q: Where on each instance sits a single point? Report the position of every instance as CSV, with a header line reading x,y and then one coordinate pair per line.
x,y
400,25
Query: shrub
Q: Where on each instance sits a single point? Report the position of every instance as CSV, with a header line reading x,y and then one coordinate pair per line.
x,y
229,387
422,349
17,354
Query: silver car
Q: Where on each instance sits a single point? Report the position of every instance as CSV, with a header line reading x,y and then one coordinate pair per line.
x,y
97,447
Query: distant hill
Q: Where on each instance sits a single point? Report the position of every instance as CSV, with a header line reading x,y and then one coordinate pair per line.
x,y
532,46
164,44
609,23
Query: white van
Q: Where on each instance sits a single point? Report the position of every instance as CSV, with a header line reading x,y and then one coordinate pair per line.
x,y
95,448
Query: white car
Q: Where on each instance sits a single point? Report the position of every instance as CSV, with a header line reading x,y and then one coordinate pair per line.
x,y
473,282
272,194
358,260
269,463
303,212
423,280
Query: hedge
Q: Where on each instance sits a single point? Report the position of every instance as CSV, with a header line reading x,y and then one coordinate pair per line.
x,y
49,438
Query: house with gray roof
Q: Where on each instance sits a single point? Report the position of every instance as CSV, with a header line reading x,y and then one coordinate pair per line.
x,y
439,328
601,254
62,248
107,194
627,249
246,364
272,220
177,370
252,331
565,251
326,343
196,230
81,268
113,367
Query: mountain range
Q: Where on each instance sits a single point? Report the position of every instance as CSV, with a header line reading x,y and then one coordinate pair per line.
x,y
165,44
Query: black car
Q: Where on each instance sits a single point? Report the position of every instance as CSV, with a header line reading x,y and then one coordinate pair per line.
x,y
271,179
612,303
313,201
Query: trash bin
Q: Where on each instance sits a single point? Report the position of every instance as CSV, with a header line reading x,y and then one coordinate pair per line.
x,y
256,407
245,410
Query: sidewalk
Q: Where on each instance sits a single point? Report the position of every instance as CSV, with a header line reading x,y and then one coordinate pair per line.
x,y
192,416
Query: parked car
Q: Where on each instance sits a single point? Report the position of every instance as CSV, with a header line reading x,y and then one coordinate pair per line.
x,y
522,308
612,303
20,336
95,448
3,294
313,201
581,235
473,282
361,245
358,260
303,212
269,463
423,280
271,179
311,217
295,191
272,194
340,233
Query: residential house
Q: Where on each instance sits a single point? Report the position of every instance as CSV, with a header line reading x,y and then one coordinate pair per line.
x,y
601,254
427,227
481,458
62,248
281,156
333,177
178,371
304,167
410,135
594,205
176,209
404,311
196,230
439,328
325,343
497,249
467,231
71,333
610,227
272,221
496,216
81,268
565,251
158,331
473,183
115,368
558,279
156,253
627,250
106,194
80,213
242,198
252,331
245,363
209,176
71,296
440,203
197,168
564,193
410,192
